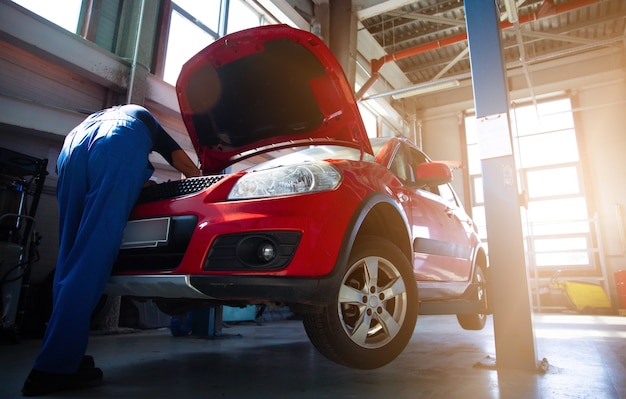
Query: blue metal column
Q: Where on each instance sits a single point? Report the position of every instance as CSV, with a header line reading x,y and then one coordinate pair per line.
x,y
510,296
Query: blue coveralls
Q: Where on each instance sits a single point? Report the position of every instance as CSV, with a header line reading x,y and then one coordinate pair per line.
x,y
102,168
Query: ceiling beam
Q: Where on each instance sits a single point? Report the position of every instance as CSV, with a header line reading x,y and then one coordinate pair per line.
x,y
429,18
369,48
559,37
365,11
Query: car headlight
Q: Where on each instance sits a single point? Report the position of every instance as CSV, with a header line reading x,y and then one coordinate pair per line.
x,y
286,180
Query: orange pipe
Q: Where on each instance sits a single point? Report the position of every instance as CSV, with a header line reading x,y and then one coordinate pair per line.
x,y
419,49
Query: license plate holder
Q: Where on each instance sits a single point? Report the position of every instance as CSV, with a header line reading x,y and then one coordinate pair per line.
x,y
146,233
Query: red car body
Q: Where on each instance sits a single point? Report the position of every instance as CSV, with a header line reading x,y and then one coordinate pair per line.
x,y
352,233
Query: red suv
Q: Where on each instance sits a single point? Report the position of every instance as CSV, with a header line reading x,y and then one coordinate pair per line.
x,y
298,207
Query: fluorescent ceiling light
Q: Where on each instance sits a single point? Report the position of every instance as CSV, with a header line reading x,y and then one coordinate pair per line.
x,y
425,88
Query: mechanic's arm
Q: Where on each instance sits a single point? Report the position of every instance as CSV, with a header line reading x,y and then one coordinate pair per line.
x,y
184,164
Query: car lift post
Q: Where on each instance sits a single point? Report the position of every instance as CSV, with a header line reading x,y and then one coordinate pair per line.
x,y
508,282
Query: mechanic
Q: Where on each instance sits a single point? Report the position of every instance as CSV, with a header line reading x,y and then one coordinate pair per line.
x,y
102,168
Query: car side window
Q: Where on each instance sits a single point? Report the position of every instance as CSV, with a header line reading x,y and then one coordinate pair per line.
x,y
400,166
415,158
445,192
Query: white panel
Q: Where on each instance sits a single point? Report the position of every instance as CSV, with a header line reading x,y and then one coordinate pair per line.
x,y
30,115
28,77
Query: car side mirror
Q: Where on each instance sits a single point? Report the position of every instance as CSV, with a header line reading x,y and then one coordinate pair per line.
x,y
432,174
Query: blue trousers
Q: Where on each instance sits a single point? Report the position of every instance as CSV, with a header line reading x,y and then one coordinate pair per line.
x,y
102,168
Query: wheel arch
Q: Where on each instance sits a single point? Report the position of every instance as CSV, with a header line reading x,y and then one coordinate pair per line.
x,y
480,260
378,215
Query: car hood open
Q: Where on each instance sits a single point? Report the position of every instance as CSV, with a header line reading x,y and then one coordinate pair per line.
x,y
263,89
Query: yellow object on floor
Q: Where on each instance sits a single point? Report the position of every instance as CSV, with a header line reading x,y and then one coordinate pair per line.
x,y
585,297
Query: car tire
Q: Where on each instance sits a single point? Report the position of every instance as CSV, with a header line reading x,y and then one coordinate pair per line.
x,y
371,320
476,321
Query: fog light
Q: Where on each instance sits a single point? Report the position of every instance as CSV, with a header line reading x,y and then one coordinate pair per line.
x,y
266,251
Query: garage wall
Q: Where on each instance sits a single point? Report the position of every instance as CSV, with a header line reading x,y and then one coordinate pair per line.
x,y
602,119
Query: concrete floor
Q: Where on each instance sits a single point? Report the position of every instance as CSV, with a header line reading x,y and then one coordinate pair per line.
x,y
587,357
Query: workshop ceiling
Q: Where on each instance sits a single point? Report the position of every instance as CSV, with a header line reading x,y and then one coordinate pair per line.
x,y
427,39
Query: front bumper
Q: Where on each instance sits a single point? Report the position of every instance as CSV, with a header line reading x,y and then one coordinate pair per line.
x,y
252,289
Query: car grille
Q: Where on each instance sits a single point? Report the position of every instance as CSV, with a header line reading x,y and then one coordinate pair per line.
x,y
177,188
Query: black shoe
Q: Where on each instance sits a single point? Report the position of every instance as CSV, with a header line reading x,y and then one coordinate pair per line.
x,y
87,362
41,382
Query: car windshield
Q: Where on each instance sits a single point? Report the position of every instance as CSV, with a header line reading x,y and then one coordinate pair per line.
x,y
378,143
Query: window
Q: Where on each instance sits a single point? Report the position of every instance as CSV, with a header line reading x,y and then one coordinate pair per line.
x,y
64,13
557,229
447,194
194,25
405,162
191,25
242,16
370,121
400,166
206,12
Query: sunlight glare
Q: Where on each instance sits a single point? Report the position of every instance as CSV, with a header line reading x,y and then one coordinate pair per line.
x,y
64,13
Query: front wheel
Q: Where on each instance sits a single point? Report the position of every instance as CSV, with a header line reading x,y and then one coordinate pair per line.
x,y
476,321
373,314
